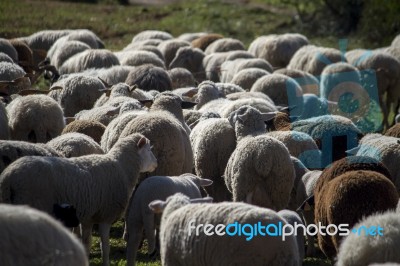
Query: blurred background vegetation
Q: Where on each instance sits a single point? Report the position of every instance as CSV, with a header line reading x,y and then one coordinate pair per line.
x,y
367,24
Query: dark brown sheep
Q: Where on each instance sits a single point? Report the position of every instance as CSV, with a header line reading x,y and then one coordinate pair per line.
x,y
204,41
348,198
93,129
394,131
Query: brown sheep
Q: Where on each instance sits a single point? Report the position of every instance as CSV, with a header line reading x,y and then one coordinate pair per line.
x,y
204,41
394,131
93,129
347,199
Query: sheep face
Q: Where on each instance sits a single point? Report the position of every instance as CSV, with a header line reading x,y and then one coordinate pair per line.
x,y
149,161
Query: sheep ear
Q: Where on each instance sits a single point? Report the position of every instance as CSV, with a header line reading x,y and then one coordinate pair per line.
x,y
142,142
190,93
107,92
353,151
114,111
69,120
205,182
232,118
133,87
188,105
32,91
202,200
286,109
268,116
157,206
192,125
147,103
104,83
307,204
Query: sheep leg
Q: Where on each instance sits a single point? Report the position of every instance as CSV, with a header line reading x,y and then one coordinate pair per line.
x,y
149,230
104,231
86,232
133,243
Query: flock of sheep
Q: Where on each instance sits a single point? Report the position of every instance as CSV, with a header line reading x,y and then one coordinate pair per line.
x,y
283,131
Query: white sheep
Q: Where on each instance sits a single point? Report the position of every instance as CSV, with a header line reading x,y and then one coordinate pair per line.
x,y
260,170
300,145
308,83
65,50
245,78
31,237
90,58
149,77
181,246
151,34
293,218
139,216
230,67
181,78
138,58
213,141
98,186
170,47
78,92
35,118
75,145
278,49
359,249
165,127
224,45
14,77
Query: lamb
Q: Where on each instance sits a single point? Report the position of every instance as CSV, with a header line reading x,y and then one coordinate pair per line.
x,y
213,141
35,118
151,34
278,49
246,78
181,246
78,92
252,175
169,49
11,150
191,59
301,146
204,41
383,149
93,129
138,58
181,78
4,129
31,237
90,58
282,90
343,201
307,82
224,45
75,145
149,77
165,127
313,59
105,181
139,216
362,249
